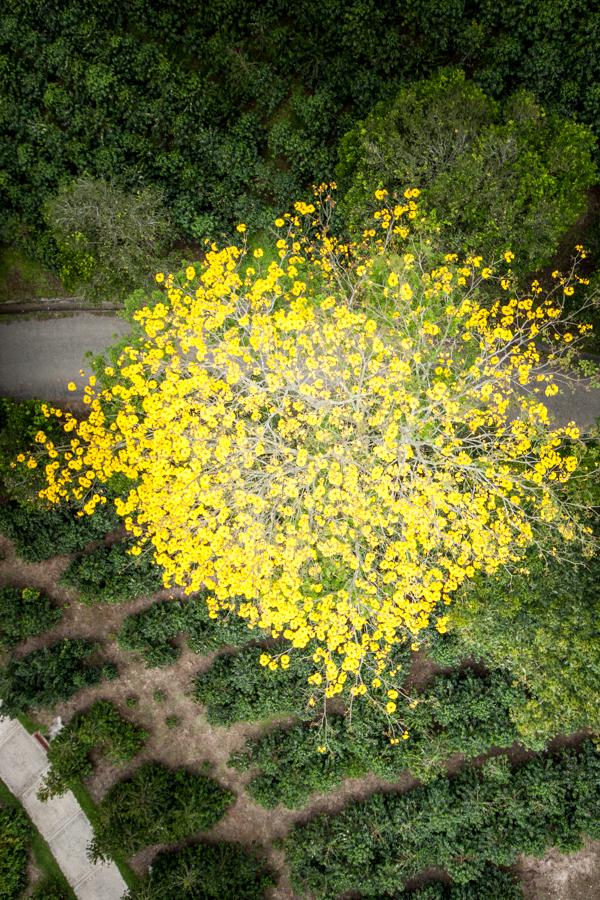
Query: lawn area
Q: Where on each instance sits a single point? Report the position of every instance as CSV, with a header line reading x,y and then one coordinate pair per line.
x,y
23,279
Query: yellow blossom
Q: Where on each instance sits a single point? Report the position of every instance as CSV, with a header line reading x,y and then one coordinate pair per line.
x,y
330,456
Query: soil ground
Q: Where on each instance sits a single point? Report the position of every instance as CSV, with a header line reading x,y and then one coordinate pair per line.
x,y
559,877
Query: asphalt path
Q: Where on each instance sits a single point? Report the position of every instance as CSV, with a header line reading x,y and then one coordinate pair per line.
x,y
39,356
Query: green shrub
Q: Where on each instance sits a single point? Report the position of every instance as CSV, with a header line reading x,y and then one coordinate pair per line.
x,y
459,713
494,176
20,421
23,613
156,805
478,817
48,675
447,649
100,728
108,239
205,872
39,533
48,889
542,626
237,688
112,575
150,631
15,833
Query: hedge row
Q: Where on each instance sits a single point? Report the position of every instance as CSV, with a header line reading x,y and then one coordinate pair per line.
x,y
49,675
238,688
205,872
25,612
491,883
156,805
100,728
151,631
480,816
112,575
15,833
40,533
457,713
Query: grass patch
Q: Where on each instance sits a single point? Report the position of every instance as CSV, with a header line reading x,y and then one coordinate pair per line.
x,y
22,278
89,807
42,854
29,724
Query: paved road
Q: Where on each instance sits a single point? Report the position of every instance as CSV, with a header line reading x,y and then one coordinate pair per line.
x,y
61,821
40,356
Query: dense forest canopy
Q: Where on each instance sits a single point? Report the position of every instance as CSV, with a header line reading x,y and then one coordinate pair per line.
x,y
232,108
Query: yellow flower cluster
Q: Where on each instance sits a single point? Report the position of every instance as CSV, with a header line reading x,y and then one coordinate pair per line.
x,y
331,441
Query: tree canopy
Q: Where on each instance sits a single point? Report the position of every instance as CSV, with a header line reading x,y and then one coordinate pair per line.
x,y
334,438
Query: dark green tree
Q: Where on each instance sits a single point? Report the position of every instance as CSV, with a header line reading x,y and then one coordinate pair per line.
x,y
493,175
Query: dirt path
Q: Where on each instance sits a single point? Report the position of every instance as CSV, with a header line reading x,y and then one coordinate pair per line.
x,y
558,876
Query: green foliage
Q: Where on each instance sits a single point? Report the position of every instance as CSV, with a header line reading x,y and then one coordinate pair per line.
x,y
52,884
100,728
20,421
237,688
49,675
49,889
23,613
23,279
490,884
120,92
462,824
154,806
108,239
151,631
112,575
493,176
15,835
459,713
542,625
39,533
205,872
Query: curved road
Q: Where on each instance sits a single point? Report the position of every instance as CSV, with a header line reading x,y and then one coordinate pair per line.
x,y
39,356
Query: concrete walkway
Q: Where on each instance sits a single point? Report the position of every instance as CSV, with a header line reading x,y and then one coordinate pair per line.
x,y
60,821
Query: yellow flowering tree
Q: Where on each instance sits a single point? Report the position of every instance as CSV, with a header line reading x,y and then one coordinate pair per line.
x,y
332,438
